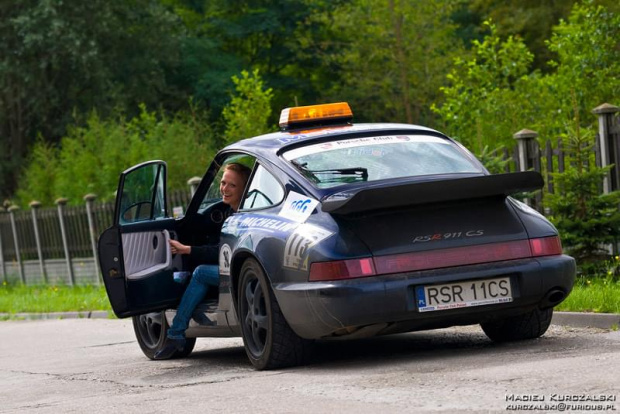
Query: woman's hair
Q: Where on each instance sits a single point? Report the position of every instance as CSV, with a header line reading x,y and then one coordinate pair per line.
x,y
240,169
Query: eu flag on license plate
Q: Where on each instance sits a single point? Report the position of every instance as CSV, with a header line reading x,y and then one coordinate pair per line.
x,y
421,297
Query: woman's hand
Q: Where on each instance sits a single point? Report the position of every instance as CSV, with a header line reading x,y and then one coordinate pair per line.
x,y
179,248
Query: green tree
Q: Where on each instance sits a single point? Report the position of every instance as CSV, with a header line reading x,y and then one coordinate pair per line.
x,y
495,93
485,102
39,176
91,157
588,63
530,20
227,37
388,59
585,218
248,112
61,58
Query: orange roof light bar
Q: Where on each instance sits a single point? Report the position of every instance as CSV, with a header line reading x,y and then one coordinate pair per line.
x,y
319,114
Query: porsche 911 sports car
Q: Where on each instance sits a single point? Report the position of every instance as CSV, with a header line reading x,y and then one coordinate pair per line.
x,y
344,231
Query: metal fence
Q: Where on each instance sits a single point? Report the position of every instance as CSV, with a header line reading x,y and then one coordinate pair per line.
x,y
550,157
58,244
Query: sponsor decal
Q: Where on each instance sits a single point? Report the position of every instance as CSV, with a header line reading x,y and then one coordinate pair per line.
x,y
225,258
312,133
292,138
370,142
448,236
374,151
238,224
299,244
298,207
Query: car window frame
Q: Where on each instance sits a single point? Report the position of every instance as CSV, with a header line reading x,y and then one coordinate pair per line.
x,y
258,164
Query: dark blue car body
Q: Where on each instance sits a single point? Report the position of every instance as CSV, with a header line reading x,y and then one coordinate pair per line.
x,y
413,249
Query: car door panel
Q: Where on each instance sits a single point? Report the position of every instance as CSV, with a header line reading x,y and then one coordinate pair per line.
x,y
146,253
138,268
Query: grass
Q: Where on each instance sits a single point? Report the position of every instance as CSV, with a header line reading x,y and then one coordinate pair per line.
x,y
599,295
593,294
17,298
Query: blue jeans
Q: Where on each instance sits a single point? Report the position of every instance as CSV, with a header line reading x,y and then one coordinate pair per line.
x,y
203,276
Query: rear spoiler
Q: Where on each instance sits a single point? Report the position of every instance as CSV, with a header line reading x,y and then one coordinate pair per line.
x,y
408,194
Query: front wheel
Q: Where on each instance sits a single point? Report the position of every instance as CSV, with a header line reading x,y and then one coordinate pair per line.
x,y
150,330
526,326
268,339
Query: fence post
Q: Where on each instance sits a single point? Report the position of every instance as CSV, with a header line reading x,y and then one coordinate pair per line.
x,y
2,264
34,206
527,148
90,199
193,185
549,157
609,149
61,202
20,265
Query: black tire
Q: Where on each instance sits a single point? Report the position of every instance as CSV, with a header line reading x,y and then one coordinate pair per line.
x,y
150,330
268,339
526,326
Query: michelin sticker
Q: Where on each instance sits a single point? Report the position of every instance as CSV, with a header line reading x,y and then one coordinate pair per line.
x,y
237,225
298,207
225,257
299,243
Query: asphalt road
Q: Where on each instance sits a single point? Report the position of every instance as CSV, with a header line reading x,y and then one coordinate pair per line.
x,y
95,366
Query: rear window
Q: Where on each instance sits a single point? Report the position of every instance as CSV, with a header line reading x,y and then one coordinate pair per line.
x,y
378,158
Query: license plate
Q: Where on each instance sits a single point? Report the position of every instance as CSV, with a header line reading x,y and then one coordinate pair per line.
x,y
463,294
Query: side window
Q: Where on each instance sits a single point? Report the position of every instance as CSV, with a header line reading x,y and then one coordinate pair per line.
x,y
264,191
143,194
213,195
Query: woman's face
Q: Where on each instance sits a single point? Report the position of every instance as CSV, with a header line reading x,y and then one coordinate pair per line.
x,y
231,188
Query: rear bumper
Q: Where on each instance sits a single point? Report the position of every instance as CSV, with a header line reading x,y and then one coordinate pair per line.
x,y
387,304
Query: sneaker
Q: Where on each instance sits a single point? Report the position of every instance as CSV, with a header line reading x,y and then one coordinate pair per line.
x,y
172,347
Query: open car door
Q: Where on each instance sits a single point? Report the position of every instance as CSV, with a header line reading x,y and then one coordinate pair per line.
x,y
134,254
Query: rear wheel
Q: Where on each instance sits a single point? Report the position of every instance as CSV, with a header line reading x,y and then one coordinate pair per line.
x,y
268,339
526,326
150,330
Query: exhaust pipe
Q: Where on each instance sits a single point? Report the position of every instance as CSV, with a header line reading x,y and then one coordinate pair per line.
x,y
552,298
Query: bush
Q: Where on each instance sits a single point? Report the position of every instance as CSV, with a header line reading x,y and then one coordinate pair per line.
x,y
249,110
586,219
90,158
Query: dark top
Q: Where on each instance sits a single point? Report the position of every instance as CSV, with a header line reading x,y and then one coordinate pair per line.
x,y
209,253
205,254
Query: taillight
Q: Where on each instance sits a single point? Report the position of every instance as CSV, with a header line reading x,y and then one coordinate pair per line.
x,y
435,259
342,269
547,246
456,256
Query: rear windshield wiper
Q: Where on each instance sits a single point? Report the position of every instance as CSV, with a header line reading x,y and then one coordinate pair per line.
x,y
345,174
360,172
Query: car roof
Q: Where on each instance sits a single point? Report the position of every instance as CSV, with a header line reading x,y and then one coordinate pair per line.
x,y
270,145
